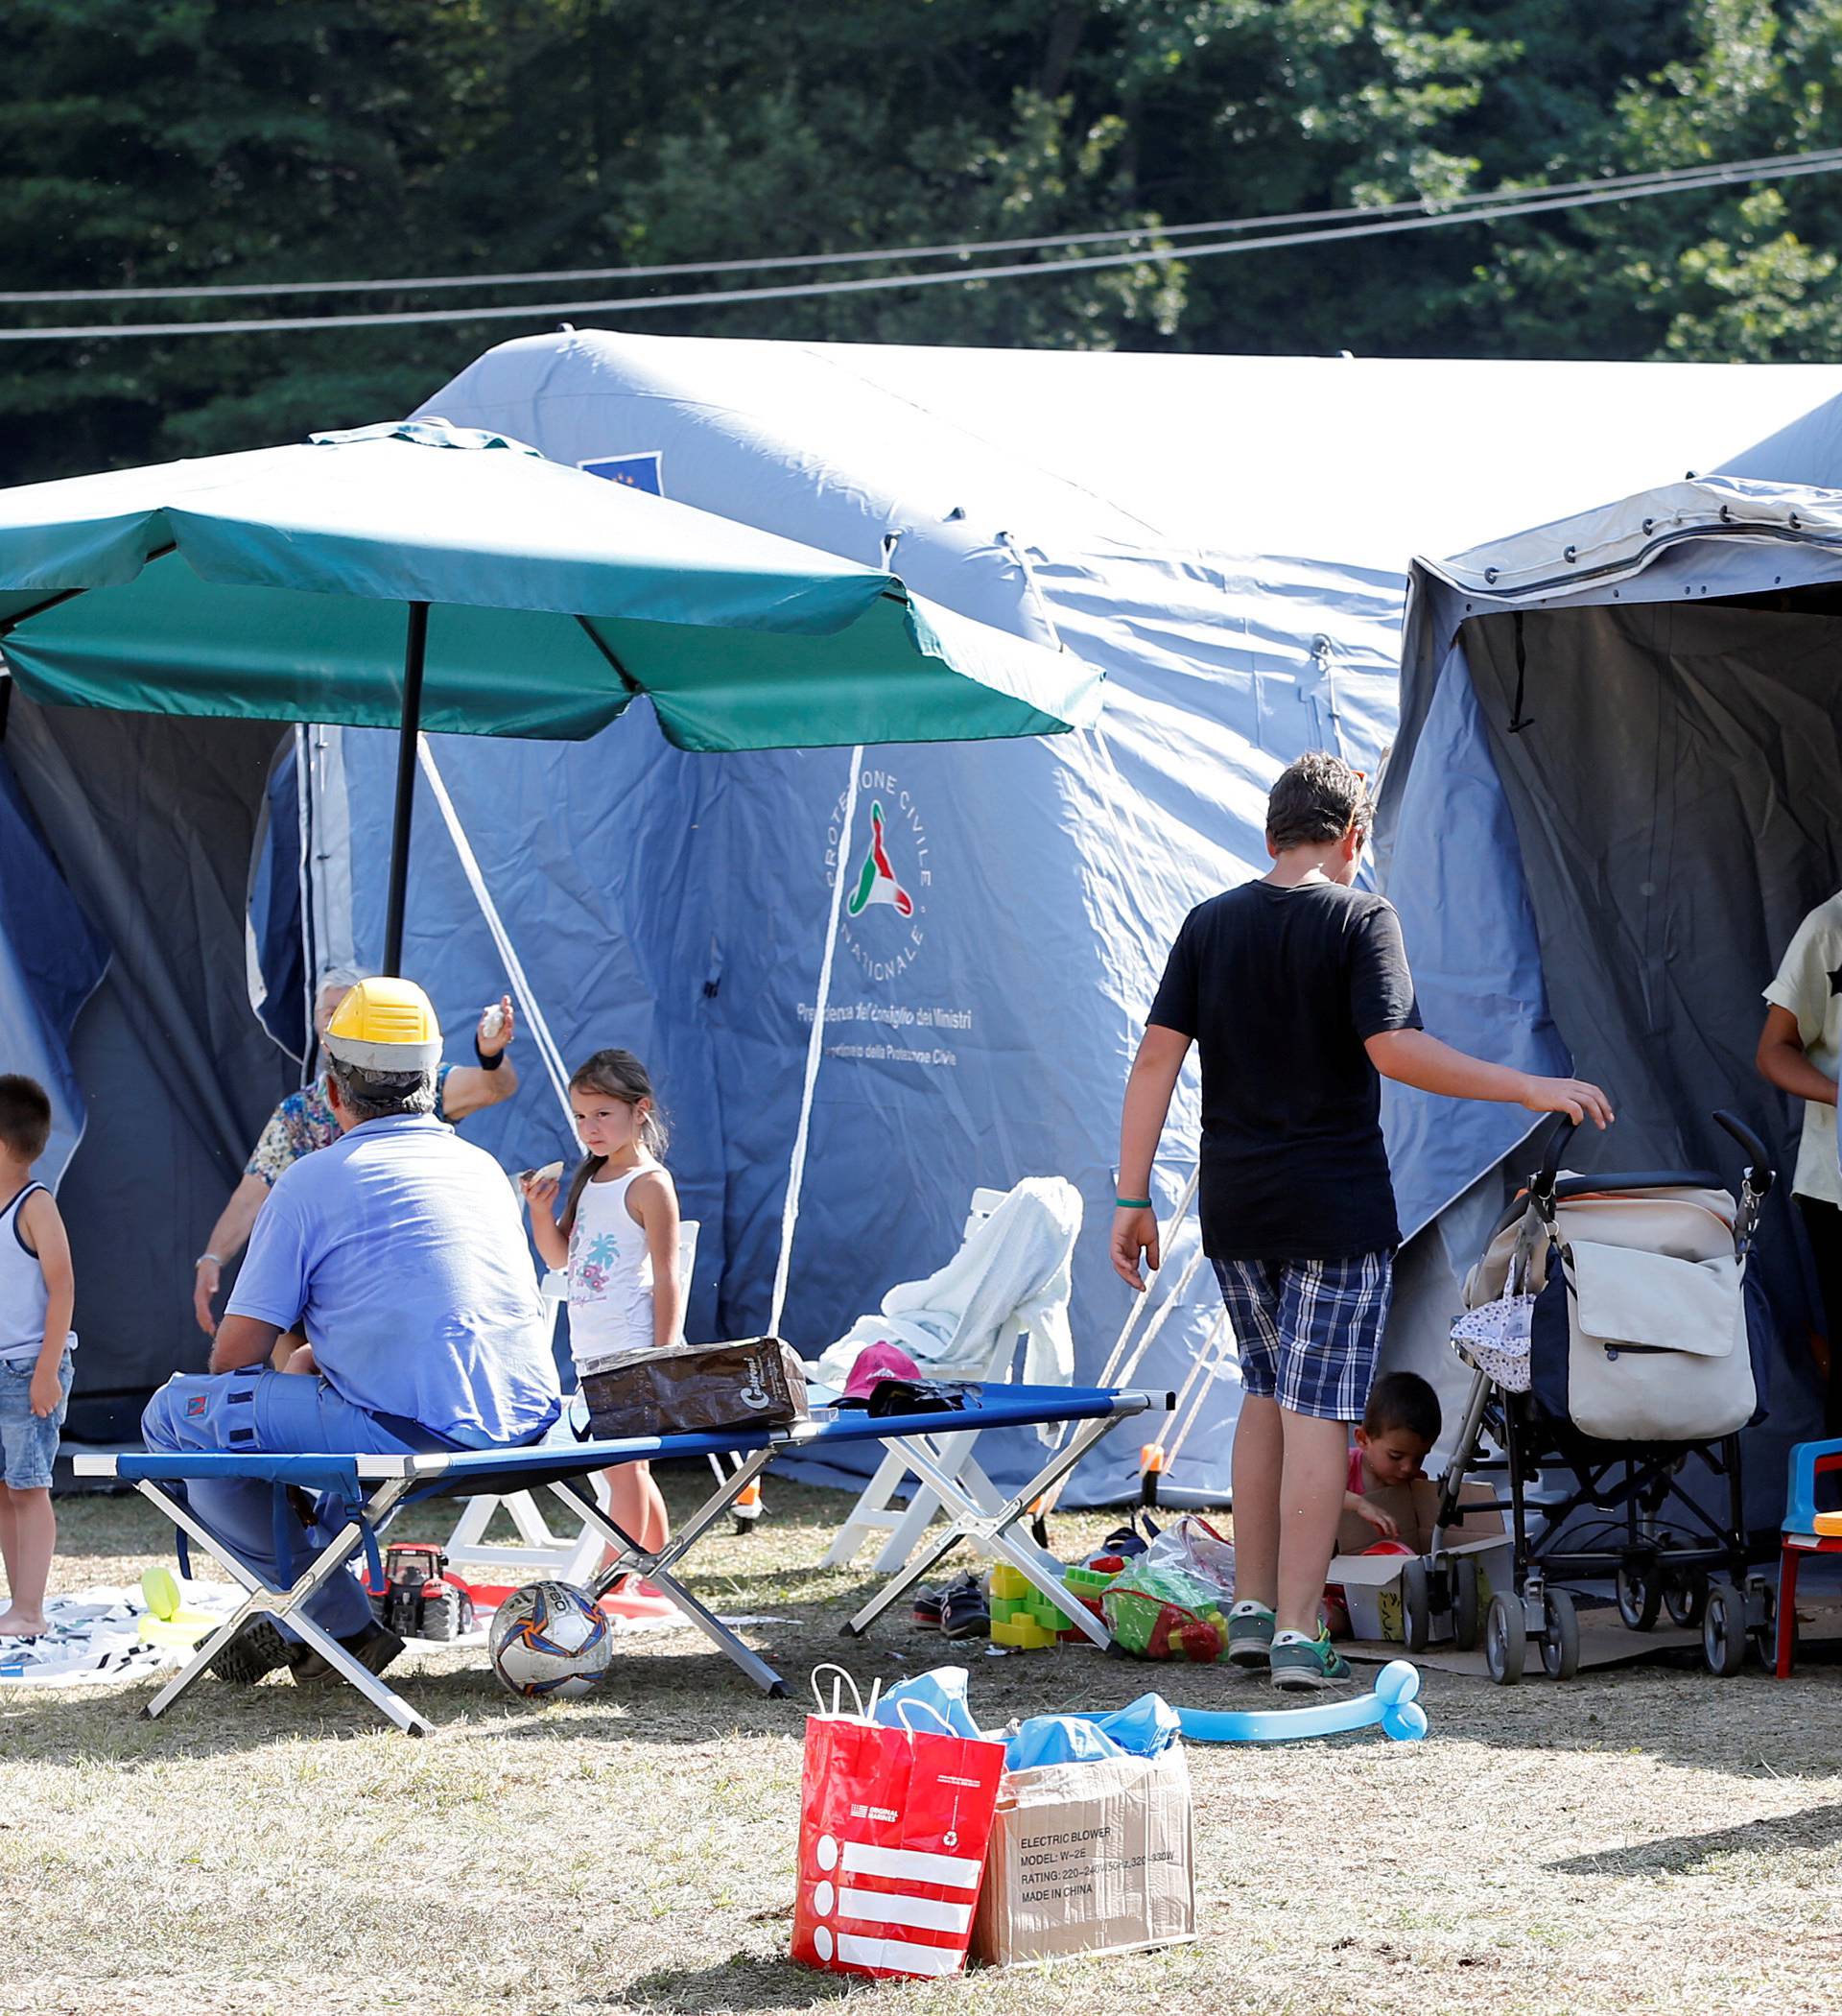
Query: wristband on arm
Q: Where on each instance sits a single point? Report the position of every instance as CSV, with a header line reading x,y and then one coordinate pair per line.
x,y
487,1063
1133,1203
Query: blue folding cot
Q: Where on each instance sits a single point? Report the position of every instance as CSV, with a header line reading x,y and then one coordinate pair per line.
x,y
370,1491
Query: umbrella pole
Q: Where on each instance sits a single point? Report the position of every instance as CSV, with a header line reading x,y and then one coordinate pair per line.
x,y
415,651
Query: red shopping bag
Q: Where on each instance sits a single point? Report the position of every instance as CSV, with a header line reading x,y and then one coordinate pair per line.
x,y
893,1826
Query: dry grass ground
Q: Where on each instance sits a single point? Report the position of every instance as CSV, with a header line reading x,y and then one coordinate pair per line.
x,y
1645,1841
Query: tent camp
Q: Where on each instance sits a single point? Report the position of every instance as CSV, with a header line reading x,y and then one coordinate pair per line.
x,y
1228,538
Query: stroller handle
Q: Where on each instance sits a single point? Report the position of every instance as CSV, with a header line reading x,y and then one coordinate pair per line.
x,y
1760,1173
1556,1147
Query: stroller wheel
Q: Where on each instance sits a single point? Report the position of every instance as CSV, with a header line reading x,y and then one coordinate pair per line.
x,y
1640,1596
1560,1635
1762,1631
1685,1596
1723,1630
1466,1624
1416,1605
1505,1639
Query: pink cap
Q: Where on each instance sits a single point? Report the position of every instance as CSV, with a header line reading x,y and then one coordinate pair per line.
x,y
881,1360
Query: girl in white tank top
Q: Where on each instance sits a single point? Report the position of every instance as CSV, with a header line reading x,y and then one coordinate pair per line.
x,y
610,1272
618,1235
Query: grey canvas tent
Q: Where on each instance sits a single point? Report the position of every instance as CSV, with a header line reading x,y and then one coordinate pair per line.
x,y
1616,792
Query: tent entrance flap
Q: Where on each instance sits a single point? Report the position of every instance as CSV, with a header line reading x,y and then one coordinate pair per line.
x,y
1678,806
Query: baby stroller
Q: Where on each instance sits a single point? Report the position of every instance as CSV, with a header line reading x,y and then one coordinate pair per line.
x,y
1606,1328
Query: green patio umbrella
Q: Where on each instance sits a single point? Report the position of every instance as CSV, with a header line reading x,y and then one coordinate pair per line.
x,y
417,575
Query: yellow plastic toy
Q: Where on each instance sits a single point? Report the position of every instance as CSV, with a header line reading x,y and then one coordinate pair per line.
x,y
167,1621
1022,1616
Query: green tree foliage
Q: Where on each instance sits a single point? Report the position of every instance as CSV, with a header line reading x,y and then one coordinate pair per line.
x,y
176,142
1745,272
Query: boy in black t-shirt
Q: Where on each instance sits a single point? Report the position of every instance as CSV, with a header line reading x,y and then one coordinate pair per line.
x,y
1296,991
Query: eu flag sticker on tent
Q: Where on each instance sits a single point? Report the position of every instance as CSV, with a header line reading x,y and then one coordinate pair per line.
x,y
639,472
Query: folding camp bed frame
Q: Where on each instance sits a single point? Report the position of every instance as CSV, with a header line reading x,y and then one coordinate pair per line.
x,y
372,1490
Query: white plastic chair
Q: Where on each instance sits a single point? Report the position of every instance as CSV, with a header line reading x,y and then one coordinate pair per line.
x,y
539,1552
877,1509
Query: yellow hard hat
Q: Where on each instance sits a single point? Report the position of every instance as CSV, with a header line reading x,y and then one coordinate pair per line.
x,y
386,1025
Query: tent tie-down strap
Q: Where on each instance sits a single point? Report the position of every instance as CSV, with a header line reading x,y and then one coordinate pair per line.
x,y
1518,720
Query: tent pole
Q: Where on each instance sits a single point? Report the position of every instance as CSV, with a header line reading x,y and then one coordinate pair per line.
x,y
415,651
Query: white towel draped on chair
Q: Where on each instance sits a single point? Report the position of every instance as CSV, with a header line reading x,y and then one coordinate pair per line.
x,y
1010,1278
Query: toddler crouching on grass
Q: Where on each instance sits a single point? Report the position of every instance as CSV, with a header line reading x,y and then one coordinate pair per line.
x,y
1387,1495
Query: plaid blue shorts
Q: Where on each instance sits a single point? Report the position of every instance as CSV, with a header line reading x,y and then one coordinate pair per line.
x,y
1309,1330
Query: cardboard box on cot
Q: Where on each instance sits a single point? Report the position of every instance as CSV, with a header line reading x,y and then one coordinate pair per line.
x,y
1088,1857
1370,1583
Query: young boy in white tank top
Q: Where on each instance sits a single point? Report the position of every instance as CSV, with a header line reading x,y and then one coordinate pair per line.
x,y
37,1291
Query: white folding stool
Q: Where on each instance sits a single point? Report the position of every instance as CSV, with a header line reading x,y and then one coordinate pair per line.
x,y
539,1551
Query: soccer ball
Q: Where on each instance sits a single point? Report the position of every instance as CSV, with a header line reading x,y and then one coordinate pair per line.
x,y
549,1641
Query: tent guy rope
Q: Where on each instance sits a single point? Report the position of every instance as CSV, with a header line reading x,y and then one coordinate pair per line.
x,y
815,1049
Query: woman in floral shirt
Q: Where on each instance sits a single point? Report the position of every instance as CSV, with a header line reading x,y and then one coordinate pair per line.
x,y
305,1121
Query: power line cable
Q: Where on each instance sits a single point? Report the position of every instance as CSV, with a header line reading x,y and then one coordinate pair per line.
x,y
1714,176
961,248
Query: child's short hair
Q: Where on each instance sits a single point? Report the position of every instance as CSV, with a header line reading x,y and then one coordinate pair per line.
x,y
25,1116
1403,1400
1316,800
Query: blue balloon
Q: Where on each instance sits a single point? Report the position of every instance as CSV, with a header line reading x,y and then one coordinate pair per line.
x,y
1392,1705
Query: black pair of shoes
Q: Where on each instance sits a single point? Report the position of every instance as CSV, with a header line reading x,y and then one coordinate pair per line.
x,y
1126,1541
260,1650
957,1611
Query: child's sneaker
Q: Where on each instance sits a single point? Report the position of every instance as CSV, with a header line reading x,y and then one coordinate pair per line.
x,y
1250,1636
965,1614
925,1609
1301,1665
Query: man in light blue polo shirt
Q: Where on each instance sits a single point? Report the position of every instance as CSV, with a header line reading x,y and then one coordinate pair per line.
x,y
400,1253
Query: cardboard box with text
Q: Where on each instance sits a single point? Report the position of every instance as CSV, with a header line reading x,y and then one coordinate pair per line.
x,y
1089,1858
1370,1583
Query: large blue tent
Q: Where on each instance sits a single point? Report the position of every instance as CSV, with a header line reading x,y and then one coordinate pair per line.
x,y
1616,794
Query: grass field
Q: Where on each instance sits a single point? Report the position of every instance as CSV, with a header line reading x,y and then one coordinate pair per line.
x,y
1651,1839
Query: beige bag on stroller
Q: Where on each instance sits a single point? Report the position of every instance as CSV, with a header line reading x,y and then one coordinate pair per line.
x,y
1657,1348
